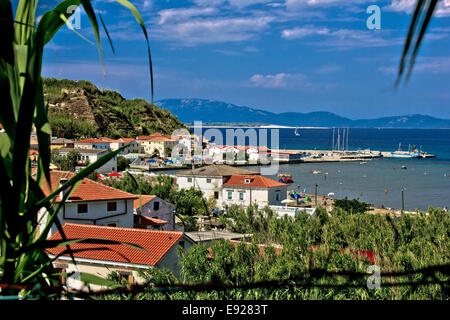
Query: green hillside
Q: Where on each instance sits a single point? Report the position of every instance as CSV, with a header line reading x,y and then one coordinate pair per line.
x,y
78,110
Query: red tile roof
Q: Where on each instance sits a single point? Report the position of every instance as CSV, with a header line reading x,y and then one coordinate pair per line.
x,y
140,220
93,140
256,181
156,243
155,137
145,199
88,190
369,255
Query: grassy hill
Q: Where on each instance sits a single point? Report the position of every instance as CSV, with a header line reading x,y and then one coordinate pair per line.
x,y
78,110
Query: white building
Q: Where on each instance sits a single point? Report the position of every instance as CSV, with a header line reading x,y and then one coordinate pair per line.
x,y
91,203
92,155
209,179
244,190
92,144
131,145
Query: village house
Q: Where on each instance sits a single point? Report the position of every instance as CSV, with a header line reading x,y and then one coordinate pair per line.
x,y
91,203
252,154
210,179
131,145
92,144
244,190
92,155
160,251
59,143
157,144
156,213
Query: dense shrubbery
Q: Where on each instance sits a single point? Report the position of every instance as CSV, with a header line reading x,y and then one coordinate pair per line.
x,y
404,244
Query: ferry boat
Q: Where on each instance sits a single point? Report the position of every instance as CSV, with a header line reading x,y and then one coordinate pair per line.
x,y
406,154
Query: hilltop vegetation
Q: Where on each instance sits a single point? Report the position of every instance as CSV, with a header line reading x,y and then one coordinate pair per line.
x,y
78,110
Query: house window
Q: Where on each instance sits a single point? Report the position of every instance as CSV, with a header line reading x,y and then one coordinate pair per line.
x,y
83,208
156,205
277,195
112,206
189,179
241,195
208,180
112,225
230,195
216,194
125,275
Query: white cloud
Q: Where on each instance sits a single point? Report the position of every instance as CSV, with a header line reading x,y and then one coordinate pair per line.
x,y
172,15
279,80
234,3
341,38
301,32
401,6
213,30
407,6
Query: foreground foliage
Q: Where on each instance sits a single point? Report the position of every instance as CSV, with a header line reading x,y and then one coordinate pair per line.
x,y
303,258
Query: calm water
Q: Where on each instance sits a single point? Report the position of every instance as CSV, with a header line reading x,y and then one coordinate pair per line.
x,y
426,182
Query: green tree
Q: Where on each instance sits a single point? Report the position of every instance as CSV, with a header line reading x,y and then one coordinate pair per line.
x,y
123,163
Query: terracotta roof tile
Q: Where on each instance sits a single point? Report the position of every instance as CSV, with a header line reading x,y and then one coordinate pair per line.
x,y
145,199
156,243
88,190
93,140
254,181
140,220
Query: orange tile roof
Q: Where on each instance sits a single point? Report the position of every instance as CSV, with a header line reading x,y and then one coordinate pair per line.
x,y
256,181
140,220
93,140
156,243
155,137
145,200
88,190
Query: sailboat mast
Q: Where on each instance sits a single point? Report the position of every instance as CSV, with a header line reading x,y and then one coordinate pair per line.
x,y
339,139
332,146
347,138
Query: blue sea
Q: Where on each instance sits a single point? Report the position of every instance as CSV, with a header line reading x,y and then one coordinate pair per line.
x,y
426,182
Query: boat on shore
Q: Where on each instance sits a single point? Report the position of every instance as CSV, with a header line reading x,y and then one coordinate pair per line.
x,y
285,178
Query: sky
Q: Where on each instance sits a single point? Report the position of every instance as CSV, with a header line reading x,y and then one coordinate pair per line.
x,y
275,55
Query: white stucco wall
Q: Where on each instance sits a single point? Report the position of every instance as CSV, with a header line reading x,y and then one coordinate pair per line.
x,y
96,210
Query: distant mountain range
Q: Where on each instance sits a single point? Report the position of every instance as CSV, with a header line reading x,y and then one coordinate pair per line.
x,y
218,112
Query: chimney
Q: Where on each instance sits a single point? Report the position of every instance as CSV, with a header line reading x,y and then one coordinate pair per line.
x,y
63,192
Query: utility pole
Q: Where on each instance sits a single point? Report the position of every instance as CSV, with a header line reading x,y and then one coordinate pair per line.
x,y
403,199
316,195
